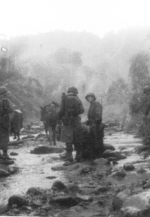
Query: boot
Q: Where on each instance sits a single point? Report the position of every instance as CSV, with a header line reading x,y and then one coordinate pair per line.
x,y
5,155
69,156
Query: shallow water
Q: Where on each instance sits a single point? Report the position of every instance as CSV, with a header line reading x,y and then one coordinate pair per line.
x,y
33,169
127,144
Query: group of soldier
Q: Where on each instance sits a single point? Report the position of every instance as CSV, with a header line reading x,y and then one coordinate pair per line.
x,y
73,131
85,138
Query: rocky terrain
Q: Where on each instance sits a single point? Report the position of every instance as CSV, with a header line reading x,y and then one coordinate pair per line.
x,y
37,183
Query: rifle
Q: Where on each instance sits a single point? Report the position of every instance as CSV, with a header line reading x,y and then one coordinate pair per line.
x,y
63,104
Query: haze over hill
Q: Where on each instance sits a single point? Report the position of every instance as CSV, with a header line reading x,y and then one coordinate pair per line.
x,y
59,59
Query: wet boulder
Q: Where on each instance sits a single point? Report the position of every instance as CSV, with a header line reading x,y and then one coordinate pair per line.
x,y
109,147
147,184
51,177
85,198
66,201
119,199
99,161
128,167
13,169
116,154
13,153
59,168
75,166
85,169
58,185
45,149
41,137
18,200
4,173
67,163
72,188
6,162
136,205
141,170
33,191
119,174
101,189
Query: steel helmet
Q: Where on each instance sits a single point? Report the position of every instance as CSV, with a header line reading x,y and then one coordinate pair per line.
x,y
90,94
73,90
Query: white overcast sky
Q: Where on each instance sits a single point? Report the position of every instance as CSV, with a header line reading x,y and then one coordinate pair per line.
x,y
19,17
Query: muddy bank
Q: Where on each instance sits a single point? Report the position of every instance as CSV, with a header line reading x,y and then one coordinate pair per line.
x,y
91,188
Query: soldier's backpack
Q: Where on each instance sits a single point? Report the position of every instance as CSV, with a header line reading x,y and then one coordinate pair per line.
x,y
72,107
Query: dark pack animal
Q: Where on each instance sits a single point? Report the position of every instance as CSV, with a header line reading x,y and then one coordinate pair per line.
x,y
16,123
49,116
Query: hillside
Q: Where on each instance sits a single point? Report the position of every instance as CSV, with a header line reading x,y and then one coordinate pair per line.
x,y
50,62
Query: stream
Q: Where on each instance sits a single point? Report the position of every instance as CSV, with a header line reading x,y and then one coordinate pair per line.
x,y
34,170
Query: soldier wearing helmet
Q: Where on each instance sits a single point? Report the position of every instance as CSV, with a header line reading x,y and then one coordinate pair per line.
x,y
95,123
70,110
5,109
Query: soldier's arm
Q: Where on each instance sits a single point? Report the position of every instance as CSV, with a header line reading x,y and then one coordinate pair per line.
x,y
98,112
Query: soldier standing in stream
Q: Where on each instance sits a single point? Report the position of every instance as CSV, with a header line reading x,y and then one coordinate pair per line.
x,y
70,109
5,109
95,124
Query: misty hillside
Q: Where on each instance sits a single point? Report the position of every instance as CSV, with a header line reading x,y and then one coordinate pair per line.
x,y
110,53
47,63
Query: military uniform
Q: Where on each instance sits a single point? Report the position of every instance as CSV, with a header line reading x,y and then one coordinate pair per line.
x,y
71,131
5,109
95,123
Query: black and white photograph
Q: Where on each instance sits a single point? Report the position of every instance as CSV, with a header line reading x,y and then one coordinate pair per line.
x,y
75,108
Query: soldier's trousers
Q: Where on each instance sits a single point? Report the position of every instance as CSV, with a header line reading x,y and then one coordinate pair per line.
x,y
72,134
97,135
